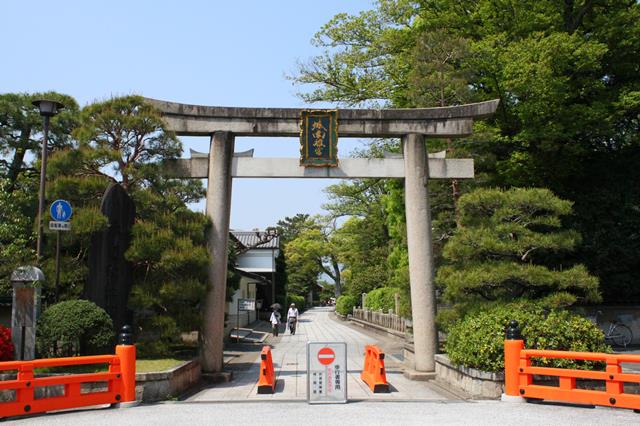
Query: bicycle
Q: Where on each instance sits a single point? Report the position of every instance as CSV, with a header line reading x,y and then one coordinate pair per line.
x,y
617,334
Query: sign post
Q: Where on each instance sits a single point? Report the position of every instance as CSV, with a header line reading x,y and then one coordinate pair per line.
x,y
326,372
243,305
61,212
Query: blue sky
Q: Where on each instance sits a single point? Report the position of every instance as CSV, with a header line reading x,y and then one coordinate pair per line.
x,y
224,53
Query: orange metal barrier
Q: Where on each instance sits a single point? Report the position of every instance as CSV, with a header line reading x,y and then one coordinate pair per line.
x,y
519,376
373,372
120,381
267,380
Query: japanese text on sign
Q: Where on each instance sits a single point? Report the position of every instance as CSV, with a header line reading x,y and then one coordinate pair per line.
x,y
326,366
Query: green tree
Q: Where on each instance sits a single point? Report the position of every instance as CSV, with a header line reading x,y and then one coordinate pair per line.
x,y
169,257
20,149
124,140
362,241
129,137
74,175
292,281
21,132
16,230
364,58
565,73
363,254
311,253
508,249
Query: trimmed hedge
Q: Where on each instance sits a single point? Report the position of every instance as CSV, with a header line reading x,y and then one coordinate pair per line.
x,y
75,327
381,298
345,304
478,340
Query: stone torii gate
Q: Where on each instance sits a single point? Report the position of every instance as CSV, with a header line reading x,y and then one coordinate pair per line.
x,y
222,124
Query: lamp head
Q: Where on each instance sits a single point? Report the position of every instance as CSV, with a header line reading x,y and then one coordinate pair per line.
x,y
48,108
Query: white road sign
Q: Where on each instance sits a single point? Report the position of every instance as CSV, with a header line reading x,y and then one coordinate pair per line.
x,y
246,304
326,372
55,225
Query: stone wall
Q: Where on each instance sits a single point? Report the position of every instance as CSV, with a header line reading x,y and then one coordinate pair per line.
x,y
169,384
475,383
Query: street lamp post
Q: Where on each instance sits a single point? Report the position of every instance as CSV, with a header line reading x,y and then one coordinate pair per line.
x,y
47,110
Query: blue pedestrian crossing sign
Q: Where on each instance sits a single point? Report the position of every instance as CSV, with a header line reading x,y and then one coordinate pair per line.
x,y
60,211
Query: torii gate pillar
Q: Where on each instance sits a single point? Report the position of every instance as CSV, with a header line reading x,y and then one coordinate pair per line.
x,y
418,214
218,209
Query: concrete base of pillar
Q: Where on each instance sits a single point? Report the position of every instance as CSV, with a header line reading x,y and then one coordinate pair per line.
x,y
420,376
512,398
221,377
126,404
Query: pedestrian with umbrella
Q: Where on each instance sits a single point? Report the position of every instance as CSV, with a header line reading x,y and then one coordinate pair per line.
x,y
275,319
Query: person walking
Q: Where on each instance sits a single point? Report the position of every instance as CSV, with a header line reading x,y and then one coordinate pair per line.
x,y
292,318
275,322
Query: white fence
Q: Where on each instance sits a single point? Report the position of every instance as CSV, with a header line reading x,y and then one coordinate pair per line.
x,y
391,321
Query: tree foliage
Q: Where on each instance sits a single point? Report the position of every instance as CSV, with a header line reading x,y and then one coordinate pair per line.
x,y
170,261
20,150
16,229
382,298
21,132
119,140
129,137
346,303
124,140
310,253
566,74
508,248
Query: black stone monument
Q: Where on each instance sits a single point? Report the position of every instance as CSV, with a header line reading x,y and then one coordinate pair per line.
x,y
110,276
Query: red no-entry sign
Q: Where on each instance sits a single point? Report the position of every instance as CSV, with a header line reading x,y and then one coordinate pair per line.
x,y
326,356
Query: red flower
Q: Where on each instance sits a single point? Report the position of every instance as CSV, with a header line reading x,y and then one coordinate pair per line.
x,y
6,346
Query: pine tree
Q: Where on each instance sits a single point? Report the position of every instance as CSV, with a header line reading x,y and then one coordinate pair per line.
x,y
124,140
508,249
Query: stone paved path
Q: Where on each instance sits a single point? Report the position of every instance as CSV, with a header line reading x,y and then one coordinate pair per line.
x,y
289,358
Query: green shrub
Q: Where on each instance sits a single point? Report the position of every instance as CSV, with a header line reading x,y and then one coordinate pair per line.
x,y
74,327
478,340
345,304
381,298
298,300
